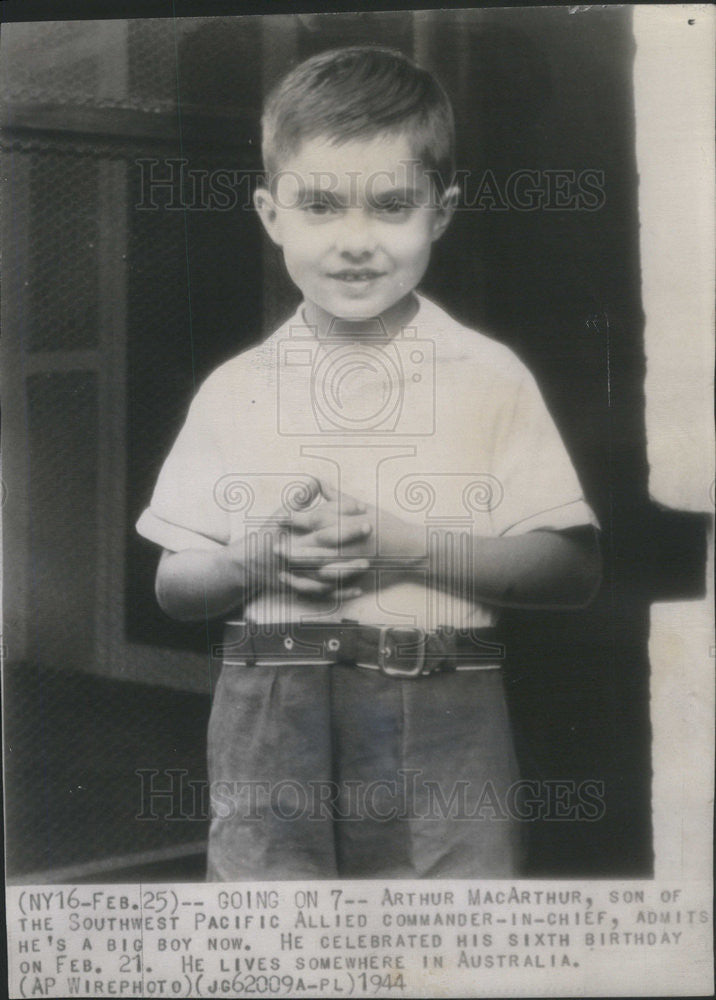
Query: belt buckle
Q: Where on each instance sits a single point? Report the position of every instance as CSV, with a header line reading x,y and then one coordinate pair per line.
x,y
388,645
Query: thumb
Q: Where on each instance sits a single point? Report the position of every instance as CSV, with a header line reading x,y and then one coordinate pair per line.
x,y
302,494
329,492
348,504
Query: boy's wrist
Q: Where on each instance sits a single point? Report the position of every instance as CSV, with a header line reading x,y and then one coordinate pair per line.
x,y
253,563
239,573
406,542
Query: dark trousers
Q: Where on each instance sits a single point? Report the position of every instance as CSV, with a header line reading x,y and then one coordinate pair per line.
x,y
336,771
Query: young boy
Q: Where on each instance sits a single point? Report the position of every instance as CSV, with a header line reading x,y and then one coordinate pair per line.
x,y
357,497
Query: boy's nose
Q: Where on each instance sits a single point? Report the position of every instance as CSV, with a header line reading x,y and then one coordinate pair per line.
x,y
356,238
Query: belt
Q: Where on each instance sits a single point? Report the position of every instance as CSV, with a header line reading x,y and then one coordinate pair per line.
x,y
395,650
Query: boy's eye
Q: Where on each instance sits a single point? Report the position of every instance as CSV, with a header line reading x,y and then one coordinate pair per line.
x,y
318,206
393,206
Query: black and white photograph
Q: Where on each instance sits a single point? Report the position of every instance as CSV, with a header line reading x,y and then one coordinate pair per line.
x,y
357,499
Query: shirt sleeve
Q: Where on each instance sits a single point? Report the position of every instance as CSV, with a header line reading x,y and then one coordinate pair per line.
x,y
185,511
538,486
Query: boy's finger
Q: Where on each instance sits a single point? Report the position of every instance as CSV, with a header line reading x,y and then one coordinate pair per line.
x,y
303,494
341,534
345,594
304,584
308,587
324,541
309,556
343,570
324,515
328,491
311,492
311,520
348,504
351,506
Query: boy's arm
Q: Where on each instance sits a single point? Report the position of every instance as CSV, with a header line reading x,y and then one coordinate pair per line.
x,y
538,569
541,568
200,583
195,584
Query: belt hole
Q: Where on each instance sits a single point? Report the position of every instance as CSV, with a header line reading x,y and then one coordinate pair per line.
x,y
334,645
288,642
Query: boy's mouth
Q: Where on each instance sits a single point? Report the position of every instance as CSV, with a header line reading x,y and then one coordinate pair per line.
x,y
357,274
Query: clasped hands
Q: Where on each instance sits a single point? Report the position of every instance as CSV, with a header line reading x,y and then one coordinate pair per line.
x,y
322,549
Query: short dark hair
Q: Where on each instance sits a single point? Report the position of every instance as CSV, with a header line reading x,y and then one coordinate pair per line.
x,y
359,92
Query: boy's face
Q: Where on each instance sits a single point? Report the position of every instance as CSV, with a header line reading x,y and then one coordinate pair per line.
x,y
356,223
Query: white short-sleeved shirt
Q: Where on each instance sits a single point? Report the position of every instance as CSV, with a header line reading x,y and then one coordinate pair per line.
x,y
441,426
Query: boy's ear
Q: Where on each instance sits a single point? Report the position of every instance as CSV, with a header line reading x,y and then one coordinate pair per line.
x,y
266,208
445,209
